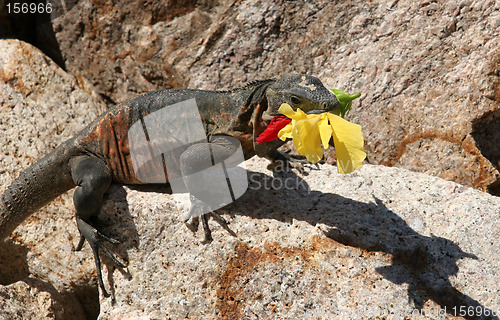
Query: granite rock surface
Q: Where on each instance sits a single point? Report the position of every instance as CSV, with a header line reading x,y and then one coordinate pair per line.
x,y
35,299
380,241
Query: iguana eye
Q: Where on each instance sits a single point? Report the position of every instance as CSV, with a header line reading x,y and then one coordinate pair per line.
x,y
295,100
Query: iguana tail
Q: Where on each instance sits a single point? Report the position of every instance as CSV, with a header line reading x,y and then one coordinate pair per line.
x,y
36,186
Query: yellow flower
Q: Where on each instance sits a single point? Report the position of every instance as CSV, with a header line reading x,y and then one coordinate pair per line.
x,y
310,131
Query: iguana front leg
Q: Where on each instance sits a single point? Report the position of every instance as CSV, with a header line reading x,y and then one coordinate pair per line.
x,y
197,158
282,160
93,178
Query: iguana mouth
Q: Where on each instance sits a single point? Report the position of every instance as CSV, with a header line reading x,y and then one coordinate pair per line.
x,y
267,124
315,111
266,116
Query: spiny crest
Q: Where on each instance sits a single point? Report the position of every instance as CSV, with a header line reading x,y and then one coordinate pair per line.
x,y
248,85
254,83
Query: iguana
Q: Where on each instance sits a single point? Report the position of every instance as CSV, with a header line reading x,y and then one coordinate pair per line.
x,y
99,154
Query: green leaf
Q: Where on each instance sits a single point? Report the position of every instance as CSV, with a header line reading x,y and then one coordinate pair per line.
x,y
345,101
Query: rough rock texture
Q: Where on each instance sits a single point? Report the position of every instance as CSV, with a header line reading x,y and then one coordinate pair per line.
x,y
356,245
309,247
41,106
35,299
428,70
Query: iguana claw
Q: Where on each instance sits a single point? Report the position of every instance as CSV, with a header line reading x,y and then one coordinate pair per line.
x,y
197,204
89,233
206,227
286,162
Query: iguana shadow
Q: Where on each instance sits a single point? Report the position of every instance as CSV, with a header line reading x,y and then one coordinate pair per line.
x,y
13,264
424,263
115,221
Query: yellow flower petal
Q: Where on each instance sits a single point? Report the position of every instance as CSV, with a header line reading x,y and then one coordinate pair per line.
x,y
286,132
307,139
325,130
310,131
348,141
286,109
304,130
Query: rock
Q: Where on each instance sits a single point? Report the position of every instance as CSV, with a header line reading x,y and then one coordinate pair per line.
x,y
381,240
119,47
35,299
428,72
41,106
430,88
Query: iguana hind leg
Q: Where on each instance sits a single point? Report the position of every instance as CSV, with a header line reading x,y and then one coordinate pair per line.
x,y
93,178
195,159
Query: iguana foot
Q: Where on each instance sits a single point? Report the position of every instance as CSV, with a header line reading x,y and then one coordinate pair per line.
x,y
89,233
196,205
193,226
219,219
206,227
202,207
286,162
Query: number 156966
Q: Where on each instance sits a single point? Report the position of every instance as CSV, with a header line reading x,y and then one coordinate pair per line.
x,y
18,7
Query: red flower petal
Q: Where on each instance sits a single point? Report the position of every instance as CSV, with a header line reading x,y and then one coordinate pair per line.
x,y
271,132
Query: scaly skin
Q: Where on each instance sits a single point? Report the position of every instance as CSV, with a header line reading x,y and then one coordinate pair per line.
x,y
100,153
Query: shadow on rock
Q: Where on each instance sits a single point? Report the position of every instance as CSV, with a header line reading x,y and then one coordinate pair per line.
x,y
79,300
13,264
116,222
486,133
424,263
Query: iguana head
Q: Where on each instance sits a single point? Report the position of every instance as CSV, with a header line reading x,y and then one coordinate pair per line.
x,y
304,92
